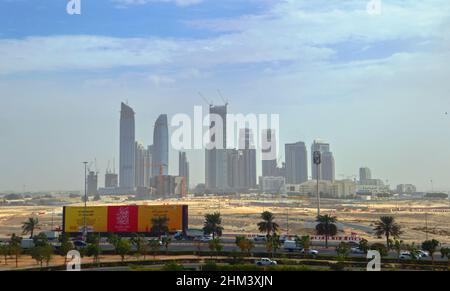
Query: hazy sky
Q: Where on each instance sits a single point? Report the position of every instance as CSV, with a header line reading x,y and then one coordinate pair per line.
x,y
375,86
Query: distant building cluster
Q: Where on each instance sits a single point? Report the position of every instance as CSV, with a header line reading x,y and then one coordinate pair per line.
x,y
144,171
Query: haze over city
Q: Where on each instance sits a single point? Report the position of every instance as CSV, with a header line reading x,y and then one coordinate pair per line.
x,y
383,105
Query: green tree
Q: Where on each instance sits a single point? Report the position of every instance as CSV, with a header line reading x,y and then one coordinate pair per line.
x,y
364,245
123,248
213,225
414,251
273,243
15,247
343,250
326,226
244,244
397,245
215,246
30,226
154,246
41,254
431,247
268,224
140,244
93,250
166,241
160,226
5,251
66,246
304,242
40,240
387,227
445,252
381,248
114,240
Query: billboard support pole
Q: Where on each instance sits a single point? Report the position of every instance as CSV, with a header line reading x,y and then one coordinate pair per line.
x,y
85,203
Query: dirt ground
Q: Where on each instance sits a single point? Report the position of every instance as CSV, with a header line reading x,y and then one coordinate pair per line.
x,y
295,215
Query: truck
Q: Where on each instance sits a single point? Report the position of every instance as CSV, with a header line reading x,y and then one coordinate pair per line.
x,y
27,243
291,246
191,234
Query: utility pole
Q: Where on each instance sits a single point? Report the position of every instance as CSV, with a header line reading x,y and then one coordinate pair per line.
x,y
317,159
85,202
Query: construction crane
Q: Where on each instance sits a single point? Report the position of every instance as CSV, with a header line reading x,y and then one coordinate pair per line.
x,y
223,99
210,103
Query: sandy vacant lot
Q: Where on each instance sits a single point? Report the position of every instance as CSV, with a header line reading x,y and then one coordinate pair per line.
x,y
294,215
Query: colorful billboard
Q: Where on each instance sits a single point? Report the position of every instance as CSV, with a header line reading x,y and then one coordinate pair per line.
x,y
148,212
124,218
96,219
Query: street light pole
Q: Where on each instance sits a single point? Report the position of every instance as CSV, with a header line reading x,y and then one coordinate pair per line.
x,y
317,159
85,202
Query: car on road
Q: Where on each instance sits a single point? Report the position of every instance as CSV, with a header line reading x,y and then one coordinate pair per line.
x,y
408,256
310,252
79,244
424,254
204,238
358,251
266,262
259,238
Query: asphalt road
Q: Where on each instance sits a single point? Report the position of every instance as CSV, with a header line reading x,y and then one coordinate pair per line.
x,y
229,246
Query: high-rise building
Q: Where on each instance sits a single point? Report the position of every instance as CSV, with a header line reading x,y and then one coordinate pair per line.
x,y
216,157
160,154
269,166
246,160
183,167
111,180
365,174
140,164
92,183
296,163
148,166
127,148
327,167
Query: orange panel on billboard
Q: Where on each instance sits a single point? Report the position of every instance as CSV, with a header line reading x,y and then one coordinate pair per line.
x,y
96,219
147,212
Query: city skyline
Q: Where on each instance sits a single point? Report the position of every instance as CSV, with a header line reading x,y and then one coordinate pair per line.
x,y
374,87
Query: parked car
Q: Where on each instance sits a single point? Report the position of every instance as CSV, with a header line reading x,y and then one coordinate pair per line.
x,y
266,262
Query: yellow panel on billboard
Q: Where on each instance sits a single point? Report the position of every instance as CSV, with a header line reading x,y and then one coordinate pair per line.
x,y
96,219
147,212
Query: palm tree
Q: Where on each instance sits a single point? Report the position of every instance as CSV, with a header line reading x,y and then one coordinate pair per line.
x,y
387,227
30,226
326,226
267,224
160,225
213,225
431,247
